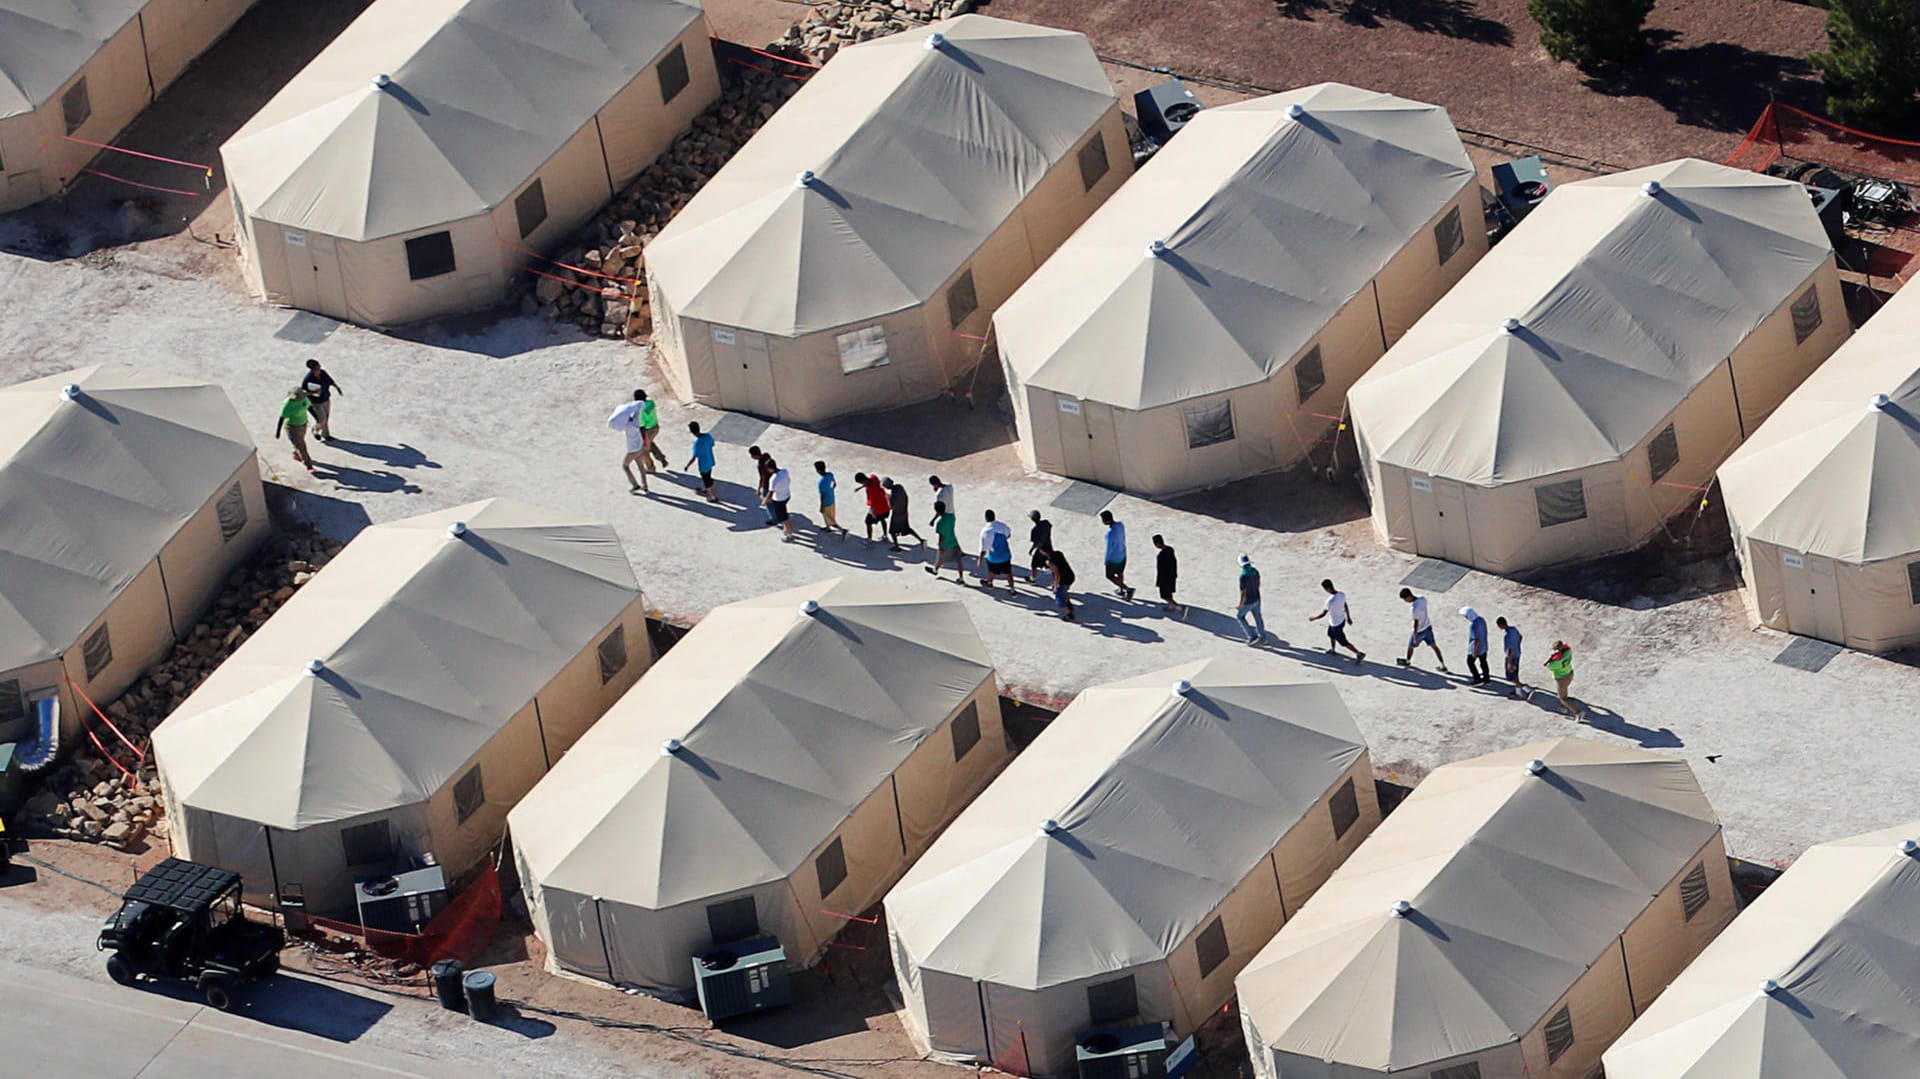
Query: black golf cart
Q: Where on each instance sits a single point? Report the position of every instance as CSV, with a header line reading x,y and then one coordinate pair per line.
x,y
182,920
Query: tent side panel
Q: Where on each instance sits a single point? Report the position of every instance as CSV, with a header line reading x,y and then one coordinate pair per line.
x,y
139,633
198,558
639,126
380,291
178,31
1061,201
1706,429
1415,278
1310,851
1663,940
510,763
654,949
1042,1027
1392,506
933,786
570,926
1505,522
1349,347
999,267
573,182
685,346
576,698
1250,915
1159,459
117,91
1040,446
1768,365
870,846
263,260
1877,605
811,386
26,165
1601,1010
1766,592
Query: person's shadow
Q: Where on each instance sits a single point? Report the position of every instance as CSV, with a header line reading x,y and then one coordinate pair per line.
x,y
401,456
1608,721
358,479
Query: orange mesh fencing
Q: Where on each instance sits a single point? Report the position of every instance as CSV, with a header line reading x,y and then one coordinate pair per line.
x,y
1784,132
461,931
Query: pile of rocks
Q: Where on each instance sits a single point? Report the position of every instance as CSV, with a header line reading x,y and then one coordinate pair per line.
x,y
86,797
832,25
611,243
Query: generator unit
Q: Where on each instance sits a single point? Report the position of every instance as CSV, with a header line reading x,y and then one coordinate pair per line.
x,y
742,978
404,902
1122,1053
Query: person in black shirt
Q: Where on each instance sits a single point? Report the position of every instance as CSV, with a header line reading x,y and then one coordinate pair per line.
x,y
320,388
1062,580
1166,573
1040,537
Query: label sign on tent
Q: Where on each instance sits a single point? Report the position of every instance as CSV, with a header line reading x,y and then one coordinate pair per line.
x,y
1071,408
296,239
722,337
1792,561
1422,483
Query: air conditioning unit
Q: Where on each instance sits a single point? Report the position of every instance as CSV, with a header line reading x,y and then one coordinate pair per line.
x,y
1122,1053
1165,109
404,902
742,978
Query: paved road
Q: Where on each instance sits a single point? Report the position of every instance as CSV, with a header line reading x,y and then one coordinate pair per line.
x,y
58,1025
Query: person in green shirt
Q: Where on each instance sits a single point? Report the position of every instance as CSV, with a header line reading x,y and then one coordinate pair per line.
x,y
948,544
1560,665
293,419
650,430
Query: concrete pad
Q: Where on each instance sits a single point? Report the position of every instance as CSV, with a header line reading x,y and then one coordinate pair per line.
x,y
1434,575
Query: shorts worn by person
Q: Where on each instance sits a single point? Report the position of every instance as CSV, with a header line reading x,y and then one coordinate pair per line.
x,y
1039,543
1116,554
947,542
650,428
779,493
295,413
829,499
626,420
1062,572
1510,642
320,387
1560,665
1339,616
898,522
878,508
996,552
702,460
1422,630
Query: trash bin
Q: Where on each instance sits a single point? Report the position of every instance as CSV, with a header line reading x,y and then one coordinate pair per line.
x,y
479,986
446,984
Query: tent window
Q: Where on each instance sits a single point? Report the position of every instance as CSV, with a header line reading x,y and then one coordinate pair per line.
x,y
831,867
1806,314
1345,806
1309,374
1663,453
673,73
1210,947
1450,235
1112,1002
530,206
76,106
966,730
367,844
430,255
1209,425
1913,582
1693,890
1469,1070
1559,1032
232,511
1560,503
1093,160
733,920
12,704
961,299
613,654
97,652
469,794
863,350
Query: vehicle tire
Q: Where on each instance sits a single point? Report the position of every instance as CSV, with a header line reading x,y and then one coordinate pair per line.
x,y
219,993
118,970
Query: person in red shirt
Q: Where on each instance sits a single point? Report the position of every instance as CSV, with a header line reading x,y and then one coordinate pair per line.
x,y
877,505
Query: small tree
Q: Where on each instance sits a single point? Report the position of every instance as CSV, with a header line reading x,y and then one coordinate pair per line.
x,y
1593,34
1872,62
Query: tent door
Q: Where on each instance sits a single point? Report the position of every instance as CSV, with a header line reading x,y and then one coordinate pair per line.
x,y
1440,519
313,273
1824,596
1076,456
1103,449
1796,583
744,371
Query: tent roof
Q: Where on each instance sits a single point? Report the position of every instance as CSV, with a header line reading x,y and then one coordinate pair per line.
x,y
91,490
1840,934
1830,472
786,721
1518,882
1270,224
1165,803
43,43
484,92
1625,302
431,642
917,156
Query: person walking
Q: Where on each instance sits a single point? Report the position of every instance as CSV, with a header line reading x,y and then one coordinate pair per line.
x,y
626,420
703,460
1339,616
1166,575
898,523
948,548
943,492
1422,630
1248,610
996,553
1560,665
1062,574
320,388
878,509
779,493
295,413
763,468
1477,674
1116,554
650,429
1039,545
1510,642
829,499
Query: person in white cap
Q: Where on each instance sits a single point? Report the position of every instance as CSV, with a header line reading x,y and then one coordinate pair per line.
x,y
1477,672
1248,612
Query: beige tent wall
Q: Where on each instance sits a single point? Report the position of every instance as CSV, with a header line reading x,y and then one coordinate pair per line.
x,y
575,183
576,698
196,561
808,384
1601,1009
379,292
1061,202
1308,854
510,763
178,31
1040,1027
1661,942
262,261
1501,1062
1877,612
1765,594
140,633
1415,279
117,91
1768,365
638,126
933,787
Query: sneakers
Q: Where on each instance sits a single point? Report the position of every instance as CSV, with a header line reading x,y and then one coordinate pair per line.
x,y
1406,663
1359,658
1443,669
1332,651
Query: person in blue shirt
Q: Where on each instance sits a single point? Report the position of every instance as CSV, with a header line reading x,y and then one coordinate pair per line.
x,y
703,459
1476,647
829,503
1510,639
1116,554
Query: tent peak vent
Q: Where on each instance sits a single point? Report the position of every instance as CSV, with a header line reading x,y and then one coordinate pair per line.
x,y
1880,402
669,747
1182,688
315,667
936,41
382,81
70,392
1536,766
1909,848
1401,908
1511,325
804,178
1296,110
811,606
1651,189
456,529
1049,826
1769,987
1156,249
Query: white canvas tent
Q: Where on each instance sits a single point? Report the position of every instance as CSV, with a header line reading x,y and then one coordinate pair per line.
x,y
123,507
75,70
403,700
846,259
1205,323
500,126
1836,943
1545,906
1579,387
1191,810
1822,496
773,775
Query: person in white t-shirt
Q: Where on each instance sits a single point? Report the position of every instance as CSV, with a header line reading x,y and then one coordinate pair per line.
x,y
1422,630
626,420
1338,617
779,493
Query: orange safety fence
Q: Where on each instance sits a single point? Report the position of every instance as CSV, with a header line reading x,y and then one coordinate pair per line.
x,y
139,755
1797,135
461,931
